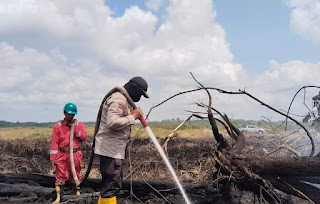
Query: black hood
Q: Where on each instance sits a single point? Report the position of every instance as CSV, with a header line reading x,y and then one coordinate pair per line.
x,y
134,91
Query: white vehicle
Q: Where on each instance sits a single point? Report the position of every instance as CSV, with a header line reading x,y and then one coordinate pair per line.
x,y
252,129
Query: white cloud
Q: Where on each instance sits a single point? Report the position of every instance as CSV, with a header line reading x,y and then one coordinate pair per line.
x,y
48,21
305,19
154,4
279,84
16,66
31,77
290,75
55,52
188,40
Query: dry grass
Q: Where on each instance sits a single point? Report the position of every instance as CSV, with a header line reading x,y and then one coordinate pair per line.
x,y
12,133
160,132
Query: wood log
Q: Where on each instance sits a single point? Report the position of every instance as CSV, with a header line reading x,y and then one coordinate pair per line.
x,y
300,189
280,166
16,189
44,180
310,179
284,173
87,197
28,199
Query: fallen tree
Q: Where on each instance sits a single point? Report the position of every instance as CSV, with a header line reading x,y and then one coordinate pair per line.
x,y
262,175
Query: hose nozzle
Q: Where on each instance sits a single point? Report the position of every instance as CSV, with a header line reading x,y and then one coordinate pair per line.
x,y
143,121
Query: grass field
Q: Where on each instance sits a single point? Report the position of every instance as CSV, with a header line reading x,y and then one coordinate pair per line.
x,y
11,133
194,129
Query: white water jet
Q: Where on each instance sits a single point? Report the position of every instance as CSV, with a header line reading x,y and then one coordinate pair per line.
x,y
164,157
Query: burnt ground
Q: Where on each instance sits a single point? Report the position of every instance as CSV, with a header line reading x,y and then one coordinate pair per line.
x,y
191,159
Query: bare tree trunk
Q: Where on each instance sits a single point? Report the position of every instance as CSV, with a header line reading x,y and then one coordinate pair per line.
x,y
280,166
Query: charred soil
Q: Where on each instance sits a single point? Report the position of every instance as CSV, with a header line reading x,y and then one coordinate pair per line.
x,y
191,158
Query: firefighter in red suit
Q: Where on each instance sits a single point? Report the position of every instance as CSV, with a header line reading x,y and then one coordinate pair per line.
x,y
60,152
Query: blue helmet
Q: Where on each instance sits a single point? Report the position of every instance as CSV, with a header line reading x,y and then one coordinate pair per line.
x,y
70,108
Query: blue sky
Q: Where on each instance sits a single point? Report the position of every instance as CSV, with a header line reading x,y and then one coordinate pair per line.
x,y
259,31
55,52
118,7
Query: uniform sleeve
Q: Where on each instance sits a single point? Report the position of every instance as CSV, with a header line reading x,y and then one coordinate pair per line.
x,y
80,131
117,117
54,143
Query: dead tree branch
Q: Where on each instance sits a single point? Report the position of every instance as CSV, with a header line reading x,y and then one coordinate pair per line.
x,y
219,138
304,87
240,92
165,143
287,116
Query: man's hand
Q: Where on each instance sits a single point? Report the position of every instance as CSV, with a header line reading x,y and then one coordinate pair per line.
x,y
74,122
137,113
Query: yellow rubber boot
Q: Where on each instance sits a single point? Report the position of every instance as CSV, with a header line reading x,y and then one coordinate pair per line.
x,y
102,200
58,190
112,200
77,190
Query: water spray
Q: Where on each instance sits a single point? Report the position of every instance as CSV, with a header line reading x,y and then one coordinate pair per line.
x,y
159,148
164,157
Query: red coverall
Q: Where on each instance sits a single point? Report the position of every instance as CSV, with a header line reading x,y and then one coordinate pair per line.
x,y
59,143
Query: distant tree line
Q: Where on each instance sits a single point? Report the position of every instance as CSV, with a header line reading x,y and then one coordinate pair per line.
x,y
34,124
24,124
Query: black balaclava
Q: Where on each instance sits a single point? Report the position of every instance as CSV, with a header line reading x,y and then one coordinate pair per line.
x,y
134,91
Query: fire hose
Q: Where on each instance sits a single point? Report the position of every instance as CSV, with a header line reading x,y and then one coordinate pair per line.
x,y
73,170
